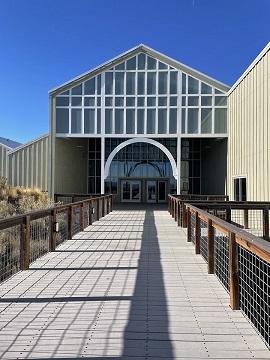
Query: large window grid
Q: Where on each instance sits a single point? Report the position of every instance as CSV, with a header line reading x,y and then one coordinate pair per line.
x,y
147,86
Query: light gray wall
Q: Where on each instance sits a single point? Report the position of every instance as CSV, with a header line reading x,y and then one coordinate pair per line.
x,y
4,161
214,166
71,165
28,165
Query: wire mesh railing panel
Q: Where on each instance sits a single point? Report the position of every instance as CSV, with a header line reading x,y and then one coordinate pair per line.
x,y
203,240
9,251
75,220
220,213
62,234
39,237
254,287
248,219
192,226
95,211
221,258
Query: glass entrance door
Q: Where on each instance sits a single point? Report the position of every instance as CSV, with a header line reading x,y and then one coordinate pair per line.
x,y
131,191
151,191
162,191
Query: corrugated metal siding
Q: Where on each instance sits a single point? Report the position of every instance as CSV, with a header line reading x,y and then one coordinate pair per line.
x,y
28,166
249,132
3,161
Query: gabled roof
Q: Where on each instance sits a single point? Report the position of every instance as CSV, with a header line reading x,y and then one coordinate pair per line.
x,y
147,50
9,143
22,146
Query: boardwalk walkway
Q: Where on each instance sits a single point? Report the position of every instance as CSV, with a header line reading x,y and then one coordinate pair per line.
x,y
128,287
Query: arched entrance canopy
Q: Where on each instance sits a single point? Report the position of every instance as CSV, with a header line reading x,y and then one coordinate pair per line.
x,y
142,140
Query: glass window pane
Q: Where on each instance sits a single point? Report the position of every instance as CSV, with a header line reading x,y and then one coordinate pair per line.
x,y
119,121
161,65
220,101
151,63
130,121
77,90
62,121
89,121
220,121
130,101
108,121
140,101
193,121
108,83
162,82
120,66
76,101
206,89
140,121
151,121
76,121
184,86
141,83
119,83
173,121
183,101
173,82
90,87
130,83
206,100
108,101
98,121
193,85
151,101
162,101
183,125
131,63
89,101
218,91
99,84
98,101
62,101
119,101
141,61
193,101
151,83
206,121
65,92
173,101
162,121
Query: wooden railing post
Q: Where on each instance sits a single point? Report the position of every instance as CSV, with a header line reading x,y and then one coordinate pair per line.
x,y
25,243
266,224
103,206
52,238
97,217
246,218
210,247
82,217
197,233
228,214
233,273
188,225
90,212
179,204
70,221
176,210
184,216
169,202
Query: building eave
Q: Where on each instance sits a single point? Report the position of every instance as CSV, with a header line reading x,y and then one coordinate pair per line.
x,y
28,143
131,52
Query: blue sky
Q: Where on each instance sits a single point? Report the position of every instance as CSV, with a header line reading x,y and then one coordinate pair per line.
x,y
44,43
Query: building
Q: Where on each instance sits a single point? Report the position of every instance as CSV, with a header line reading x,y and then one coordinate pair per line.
x,y
143,125
6,145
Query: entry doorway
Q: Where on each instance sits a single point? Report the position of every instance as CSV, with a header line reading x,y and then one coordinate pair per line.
x,y
131,191
156,191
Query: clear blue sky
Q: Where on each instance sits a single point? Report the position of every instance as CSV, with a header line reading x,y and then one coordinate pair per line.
x,y
44,43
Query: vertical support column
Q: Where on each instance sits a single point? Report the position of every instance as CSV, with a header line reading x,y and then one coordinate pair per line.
x,y
188,225
246,218
52,238
102,165
179,160
210,247
102,128
70,220
197,233
25,243
233,273
266,224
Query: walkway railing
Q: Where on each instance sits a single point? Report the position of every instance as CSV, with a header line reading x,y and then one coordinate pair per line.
x,y
240,260
176,204
67,198
24,238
